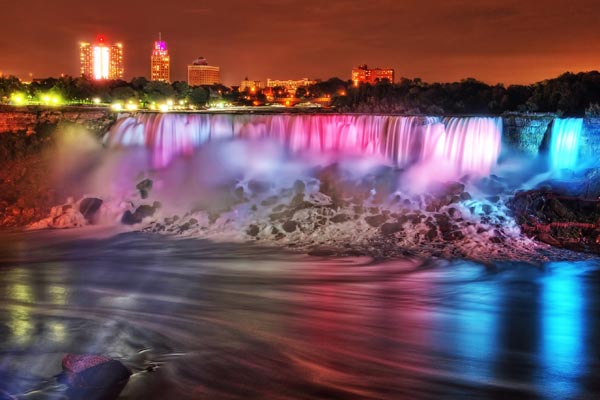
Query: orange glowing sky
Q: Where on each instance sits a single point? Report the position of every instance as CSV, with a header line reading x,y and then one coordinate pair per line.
x,y
510,41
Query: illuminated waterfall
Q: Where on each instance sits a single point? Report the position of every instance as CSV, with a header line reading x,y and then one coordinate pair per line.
x,y
564,143
466,145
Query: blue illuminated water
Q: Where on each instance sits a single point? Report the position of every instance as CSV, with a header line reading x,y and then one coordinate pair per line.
x,y
565,143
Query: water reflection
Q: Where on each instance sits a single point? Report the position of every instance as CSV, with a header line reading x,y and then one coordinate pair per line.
x,y
232,321
563,320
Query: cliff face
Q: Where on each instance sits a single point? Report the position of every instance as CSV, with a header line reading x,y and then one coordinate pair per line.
x,y
527,134
27,190
29,120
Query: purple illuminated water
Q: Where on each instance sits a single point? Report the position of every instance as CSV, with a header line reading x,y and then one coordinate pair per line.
x,y
464,145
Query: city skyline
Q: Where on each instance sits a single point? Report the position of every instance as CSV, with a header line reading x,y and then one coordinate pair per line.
x,y
499,41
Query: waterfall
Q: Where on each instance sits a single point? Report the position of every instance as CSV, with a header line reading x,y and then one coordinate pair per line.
x,y
465,145
565,142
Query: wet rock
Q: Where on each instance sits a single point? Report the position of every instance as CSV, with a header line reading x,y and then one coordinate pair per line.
x,y
259,187
487,209
140,213
299,186
390,228
93,377
465,196
238,193
89,207
376,220
340,218
269,201
144,187
253,230
289,226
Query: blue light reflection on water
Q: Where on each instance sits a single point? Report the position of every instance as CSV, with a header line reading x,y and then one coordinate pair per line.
x,y
562,350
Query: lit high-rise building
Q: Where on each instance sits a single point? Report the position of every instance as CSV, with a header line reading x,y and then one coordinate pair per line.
x,y
364,74
101,60
200,73
160,62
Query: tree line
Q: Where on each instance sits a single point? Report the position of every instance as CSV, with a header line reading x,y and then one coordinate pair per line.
x,y
570,94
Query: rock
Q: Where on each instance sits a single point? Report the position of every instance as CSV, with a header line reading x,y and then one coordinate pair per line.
x,y
140,213
487,209
299,186
390,228
339,218
376,220
93,377
144,187
259,187
289,226
269,201
89,207
253,230
465,196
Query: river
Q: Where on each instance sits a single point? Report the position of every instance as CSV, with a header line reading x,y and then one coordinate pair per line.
x,y
199,320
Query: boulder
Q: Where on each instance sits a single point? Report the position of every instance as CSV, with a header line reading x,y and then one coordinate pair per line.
x,y
89,208
93,377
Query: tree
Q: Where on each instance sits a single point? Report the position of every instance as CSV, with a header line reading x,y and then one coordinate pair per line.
x,y
198,96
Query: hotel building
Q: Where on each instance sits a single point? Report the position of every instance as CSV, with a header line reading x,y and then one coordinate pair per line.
x,y
200,73
290,85
364,74
101,60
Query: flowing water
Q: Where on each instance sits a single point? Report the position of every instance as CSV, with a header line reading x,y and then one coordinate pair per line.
x,y
232,321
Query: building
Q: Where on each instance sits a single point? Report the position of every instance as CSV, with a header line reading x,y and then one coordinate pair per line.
x,y
363,74
253,86
200,73
290,85
101,60
160,62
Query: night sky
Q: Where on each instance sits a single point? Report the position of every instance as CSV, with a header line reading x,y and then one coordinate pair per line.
x,y
509,41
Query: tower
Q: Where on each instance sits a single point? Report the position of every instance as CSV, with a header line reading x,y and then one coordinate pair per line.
x,y
160,62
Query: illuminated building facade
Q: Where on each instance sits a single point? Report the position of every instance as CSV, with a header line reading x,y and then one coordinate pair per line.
x,y
290,85
252,86
160,62
200,73
101,60
364,74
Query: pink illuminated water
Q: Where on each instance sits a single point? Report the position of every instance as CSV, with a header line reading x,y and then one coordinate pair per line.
x,y
463,145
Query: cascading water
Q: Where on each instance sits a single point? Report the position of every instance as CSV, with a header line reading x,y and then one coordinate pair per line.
x,y
565,143
465,145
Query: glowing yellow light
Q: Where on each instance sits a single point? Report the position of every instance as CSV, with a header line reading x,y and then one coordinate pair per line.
x,y
55,100
17,98
132,107
181,102
163,108
170,103
116,106
96,100
46,99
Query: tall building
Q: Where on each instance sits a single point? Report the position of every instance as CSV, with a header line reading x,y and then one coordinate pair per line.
x,y
160,62
364,74
200,73
290,85
101,60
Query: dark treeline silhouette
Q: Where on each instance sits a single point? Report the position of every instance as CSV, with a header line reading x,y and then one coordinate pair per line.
x,y
568,95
